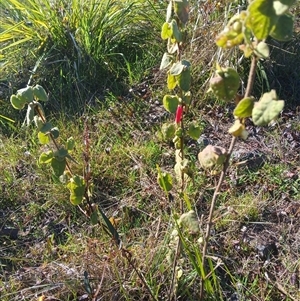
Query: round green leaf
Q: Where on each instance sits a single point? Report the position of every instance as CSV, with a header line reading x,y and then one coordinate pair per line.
x,y
58,166
62,153
184,79
46,157
225,85
170,103
40,93
176,68
168,130
46,128
43,138
261,18
166,31
267,109
26,94
54,132
283,30
244,107
194,131
211,156
17,102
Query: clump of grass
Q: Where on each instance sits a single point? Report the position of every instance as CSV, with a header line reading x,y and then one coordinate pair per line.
x,y
77,48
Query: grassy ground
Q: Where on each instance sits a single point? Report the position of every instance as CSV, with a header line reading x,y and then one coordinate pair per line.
x,y
49,250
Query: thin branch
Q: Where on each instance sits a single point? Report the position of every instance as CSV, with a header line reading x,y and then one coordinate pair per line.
x,y
248,92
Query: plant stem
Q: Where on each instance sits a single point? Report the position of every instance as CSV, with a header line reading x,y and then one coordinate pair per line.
x,y
222,176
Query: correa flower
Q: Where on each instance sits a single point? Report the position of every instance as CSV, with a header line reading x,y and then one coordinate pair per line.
x,y
179,113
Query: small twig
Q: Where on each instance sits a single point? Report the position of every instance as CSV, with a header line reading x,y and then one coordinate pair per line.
x,y
99,285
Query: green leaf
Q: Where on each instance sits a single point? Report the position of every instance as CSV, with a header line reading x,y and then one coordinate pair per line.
x,y
176,68
267,109
46,157
170,103
70,143
184,79
40,93
164,180
46,128
26,94
194,131
77,189
58,166
62,153
172,82
168,130
261,18
244,107
54,132
17,102
282,6
190,222
166,31
262,50
225,85
283,30
43,138
166,61
177,35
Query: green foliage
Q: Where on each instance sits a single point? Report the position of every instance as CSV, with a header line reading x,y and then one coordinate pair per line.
x,y
77,189
170,103
267,108
244,107
225,84
70,42
164,180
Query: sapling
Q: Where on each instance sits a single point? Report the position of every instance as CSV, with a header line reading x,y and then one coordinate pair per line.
x,y
59,158
247,30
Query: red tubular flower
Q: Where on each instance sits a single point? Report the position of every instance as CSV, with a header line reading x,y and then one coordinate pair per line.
x,y
179,113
